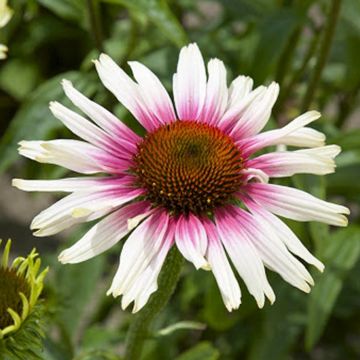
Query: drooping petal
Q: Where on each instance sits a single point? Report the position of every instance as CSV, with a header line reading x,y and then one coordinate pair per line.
x,y
303,137
256,114
278,136
189,83
155,95
296,204
283,232
105,234
146,283
191,240
126,91
139,250
225,278
274,253
63,185
82,204
102,117
74,155
318,161
243,255
216,93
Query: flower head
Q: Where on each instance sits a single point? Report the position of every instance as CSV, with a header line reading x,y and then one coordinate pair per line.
x,y
193,181
20,287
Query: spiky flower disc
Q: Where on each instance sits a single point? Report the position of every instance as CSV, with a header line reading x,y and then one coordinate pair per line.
x,y
20,287
193,181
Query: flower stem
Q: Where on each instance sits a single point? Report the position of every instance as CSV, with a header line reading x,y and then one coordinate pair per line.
x,y
95,23
139,329
323,53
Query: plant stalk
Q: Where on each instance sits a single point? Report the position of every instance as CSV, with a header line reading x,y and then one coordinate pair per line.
x,y
324,50
139,329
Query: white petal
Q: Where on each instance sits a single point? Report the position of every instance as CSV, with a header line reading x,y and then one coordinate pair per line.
x,y
296,204
303,137
274,253
61,185
138,251
216,93
189,83
244,256
318,161
155,95
102,117
225,278
239,88
257,113
82,204
284,233
103,235
75,155
126,91
146,283
273,137
191,240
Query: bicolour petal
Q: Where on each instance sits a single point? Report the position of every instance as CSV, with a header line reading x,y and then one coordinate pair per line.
x,y
67,184
239,88
236,109
84,128
189,83
303,137
154,94
296,204
146,282
244,255
225,278
126,91
105,234
273,252
102,117
278,136
82,204
318,161
139,250
283,232
257,114
74,155
216,93
191,240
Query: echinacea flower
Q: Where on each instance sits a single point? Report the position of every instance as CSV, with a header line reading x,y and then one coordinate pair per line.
x,y
21,284
5,16
193,181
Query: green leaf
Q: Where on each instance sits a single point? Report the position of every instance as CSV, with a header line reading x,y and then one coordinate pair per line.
x,y
275,29
33,121
340,255
160,14
18,77
201,351
72,10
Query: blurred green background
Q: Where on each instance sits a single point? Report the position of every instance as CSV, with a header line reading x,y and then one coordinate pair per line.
x,y
312,48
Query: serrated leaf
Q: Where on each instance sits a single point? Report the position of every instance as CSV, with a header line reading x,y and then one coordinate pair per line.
x,y
340,255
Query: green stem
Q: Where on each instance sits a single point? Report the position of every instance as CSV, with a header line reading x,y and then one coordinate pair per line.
x,y
324,49
95,23
139,329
